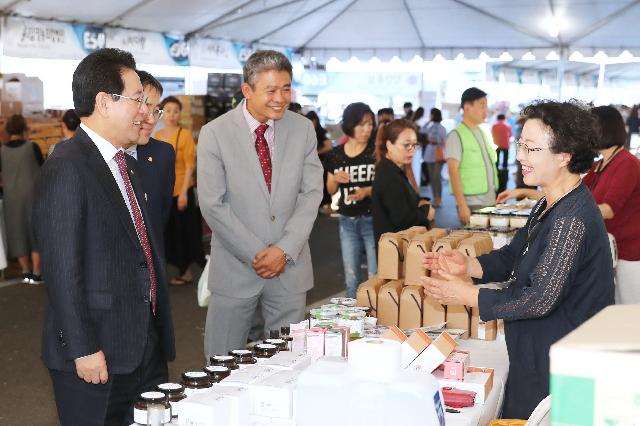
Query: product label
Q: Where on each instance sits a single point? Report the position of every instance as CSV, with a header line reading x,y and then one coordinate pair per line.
x,y
142,416
482,332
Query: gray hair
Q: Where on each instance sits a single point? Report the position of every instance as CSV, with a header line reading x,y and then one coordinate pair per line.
x,y
265,60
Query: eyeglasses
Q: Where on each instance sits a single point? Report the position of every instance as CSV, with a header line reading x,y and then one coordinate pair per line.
x,y
409,146
142,100
524,148
156,112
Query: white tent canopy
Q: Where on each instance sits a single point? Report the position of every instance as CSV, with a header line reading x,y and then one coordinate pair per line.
x,y
367,28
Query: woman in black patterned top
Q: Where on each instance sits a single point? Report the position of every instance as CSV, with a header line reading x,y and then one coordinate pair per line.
x,y
557,272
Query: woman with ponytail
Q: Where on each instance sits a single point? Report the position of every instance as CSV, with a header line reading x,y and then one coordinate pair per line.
x,y
395,205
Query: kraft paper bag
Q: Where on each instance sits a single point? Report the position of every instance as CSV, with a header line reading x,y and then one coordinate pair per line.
x,y
413,266
411,307
391,254
459,316
432,312
389,303
367,294
437,232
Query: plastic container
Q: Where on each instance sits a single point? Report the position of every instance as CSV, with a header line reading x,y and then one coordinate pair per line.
x,y
217,373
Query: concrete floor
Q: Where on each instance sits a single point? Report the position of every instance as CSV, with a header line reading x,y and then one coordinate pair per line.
x,y
26,397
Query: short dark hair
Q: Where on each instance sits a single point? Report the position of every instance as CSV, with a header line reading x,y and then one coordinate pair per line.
x,y
387,110
312,115
572,129
71,120
100,71
148,80
170,100
471,95
407,105
16,125
436,115
265,60
295,107
353,115
501,117
611,127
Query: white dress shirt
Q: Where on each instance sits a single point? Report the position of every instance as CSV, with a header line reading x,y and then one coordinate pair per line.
x,y
109,152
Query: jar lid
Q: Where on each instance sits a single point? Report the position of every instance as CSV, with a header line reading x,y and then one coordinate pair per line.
x,y
216,369
195,375
275,341
242,352
152,396
265,346
285,331
170,387
223,358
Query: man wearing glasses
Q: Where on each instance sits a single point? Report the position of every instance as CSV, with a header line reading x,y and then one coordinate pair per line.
x,y
156,160
108,332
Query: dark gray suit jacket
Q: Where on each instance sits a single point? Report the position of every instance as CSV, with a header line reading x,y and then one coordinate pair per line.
x,y
95,271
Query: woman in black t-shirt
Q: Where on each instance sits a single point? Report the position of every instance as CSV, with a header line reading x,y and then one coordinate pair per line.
x,y
350,170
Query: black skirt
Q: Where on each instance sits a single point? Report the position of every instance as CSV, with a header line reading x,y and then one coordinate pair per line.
x,y
183,235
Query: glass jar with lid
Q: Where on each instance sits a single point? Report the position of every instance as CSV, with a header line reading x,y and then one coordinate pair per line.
x,y
147,399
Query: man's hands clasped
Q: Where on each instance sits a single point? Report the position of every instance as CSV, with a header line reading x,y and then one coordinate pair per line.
x,y
270,262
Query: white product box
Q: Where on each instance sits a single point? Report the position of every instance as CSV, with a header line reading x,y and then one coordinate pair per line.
x,y
478,380
274,396
248,376
434,354
223,406
287,360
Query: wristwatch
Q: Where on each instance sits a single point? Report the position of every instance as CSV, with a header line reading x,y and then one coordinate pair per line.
x,y
288,258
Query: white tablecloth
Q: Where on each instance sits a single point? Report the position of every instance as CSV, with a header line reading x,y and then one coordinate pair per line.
x,y
492,354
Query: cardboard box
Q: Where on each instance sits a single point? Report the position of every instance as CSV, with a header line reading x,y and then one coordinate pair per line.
x,y
413,346
411,307
9,108
459,316
482,330
455,365
389,303
414,267
472,247
367,294
274,396
433,312
391,251
314,342
434,354
394,333
476,379
595,379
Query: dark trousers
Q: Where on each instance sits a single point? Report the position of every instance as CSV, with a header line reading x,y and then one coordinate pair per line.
x,y
85,404
505,157
183,237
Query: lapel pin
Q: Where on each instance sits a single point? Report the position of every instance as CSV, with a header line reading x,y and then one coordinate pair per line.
x,y
145,197
131,171
150,159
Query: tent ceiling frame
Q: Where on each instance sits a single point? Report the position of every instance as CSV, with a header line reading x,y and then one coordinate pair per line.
x,y
604,21
324,27
506,22
220,18
9,8
248,15
297,18
123,14
552,7
413,22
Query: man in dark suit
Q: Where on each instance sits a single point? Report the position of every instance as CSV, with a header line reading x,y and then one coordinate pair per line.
x,y
108,332
156,160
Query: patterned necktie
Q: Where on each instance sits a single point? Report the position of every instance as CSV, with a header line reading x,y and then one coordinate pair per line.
x,y
262,148
139,224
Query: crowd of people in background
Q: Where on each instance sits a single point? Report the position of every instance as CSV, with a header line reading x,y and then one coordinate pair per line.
x,y
370,173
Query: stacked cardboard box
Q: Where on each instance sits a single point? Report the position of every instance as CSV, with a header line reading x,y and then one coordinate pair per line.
x,y
192,115
45,133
